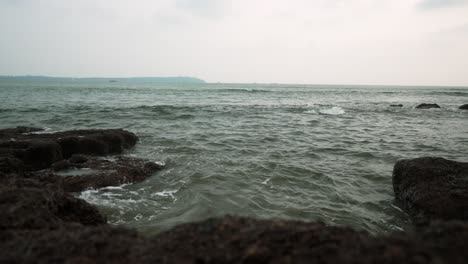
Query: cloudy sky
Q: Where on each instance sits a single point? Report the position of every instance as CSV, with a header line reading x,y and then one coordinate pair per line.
x,y
417,42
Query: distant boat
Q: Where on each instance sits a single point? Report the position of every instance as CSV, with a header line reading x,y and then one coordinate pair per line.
x,y
112,81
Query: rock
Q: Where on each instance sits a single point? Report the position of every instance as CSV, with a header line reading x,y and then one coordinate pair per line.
x,y
40,151
236,240
427,106
78,159
464,107
30,202
107,172
432,188
8,133
396,105
71,244
9,164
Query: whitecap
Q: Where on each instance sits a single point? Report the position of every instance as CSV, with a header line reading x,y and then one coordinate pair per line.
x,y
166,193
336,110
266,181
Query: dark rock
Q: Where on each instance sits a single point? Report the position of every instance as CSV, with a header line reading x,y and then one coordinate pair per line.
x,y
427,106
78,159
9,133
464,107
41,154
28,203
112,172
39,151
432,188
245,240
396,105
10,164
70,244
236,240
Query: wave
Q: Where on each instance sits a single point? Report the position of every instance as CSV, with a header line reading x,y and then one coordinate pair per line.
x,y
335,110
244,90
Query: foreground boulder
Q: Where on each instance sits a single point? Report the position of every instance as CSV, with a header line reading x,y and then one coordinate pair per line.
x,y
31,202
464,107
432,188
236,240
427,106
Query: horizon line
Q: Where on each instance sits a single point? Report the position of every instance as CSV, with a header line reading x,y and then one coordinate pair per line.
x,y
218,82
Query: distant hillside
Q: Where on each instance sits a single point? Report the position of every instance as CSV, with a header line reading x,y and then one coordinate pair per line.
x,y
102,79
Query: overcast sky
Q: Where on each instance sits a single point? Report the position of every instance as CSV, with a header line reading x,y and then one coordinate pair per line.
x,y
417,42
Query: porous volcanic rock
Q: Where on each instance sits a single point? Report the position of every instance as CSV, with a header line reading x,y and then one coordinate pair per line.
x,y
464,107
427,106
432,188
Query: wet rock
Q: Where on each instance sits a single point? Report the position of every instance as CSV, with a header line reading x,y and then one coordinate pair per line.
x,y
427,106
396,105
8,133
107,172
92,141
464,107
40,151
30,202
432,188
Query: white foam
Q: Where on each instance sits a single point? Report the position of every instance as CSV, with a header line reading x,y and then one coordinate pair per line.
x,y
166,193
160,163
335,110
266,181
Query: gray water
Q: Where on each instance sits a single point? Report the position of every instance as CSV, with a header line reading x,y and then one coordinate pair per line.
x,y
308,152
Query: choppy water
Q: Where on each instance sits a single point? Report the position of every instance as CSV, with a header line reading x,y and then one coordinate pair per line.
x,y
270,151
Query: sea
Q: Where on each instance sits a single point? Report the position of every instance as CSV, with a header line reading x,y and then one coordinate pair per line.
x,y
271,151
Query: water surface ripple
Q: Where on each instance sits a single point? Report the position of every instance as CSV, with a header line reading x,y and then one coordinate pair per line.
x,y
269,151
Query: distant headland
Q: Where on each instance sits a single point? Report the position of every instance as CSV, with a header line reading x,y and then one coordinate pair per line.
x,y
179,79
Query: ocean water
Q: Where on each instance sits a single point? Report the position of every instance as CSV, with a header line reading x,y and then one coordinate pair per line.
x,y
307,152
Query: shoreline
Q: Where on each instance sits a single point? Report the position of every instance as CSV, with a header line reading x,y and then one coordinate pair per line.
x,y
45,223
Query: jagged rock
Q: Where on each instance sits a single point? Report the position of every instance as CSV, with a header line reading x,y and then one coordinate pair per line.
x,y
464,107
104,172
432,188
30,202
427,106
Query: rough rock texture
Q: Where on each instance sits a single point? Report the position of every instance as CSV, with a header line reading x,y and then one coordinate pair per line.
x,y
464,107
236,240
39,151
104,172
34,202
427,106
23,149
41,222
432,188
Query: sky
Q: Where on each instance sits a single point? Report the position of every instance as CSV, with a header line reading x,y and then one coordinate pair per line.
x,y
406,42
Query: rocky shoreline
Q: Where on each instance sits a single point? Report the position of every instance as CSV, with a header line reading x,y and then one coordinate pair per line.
x,y
44,223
